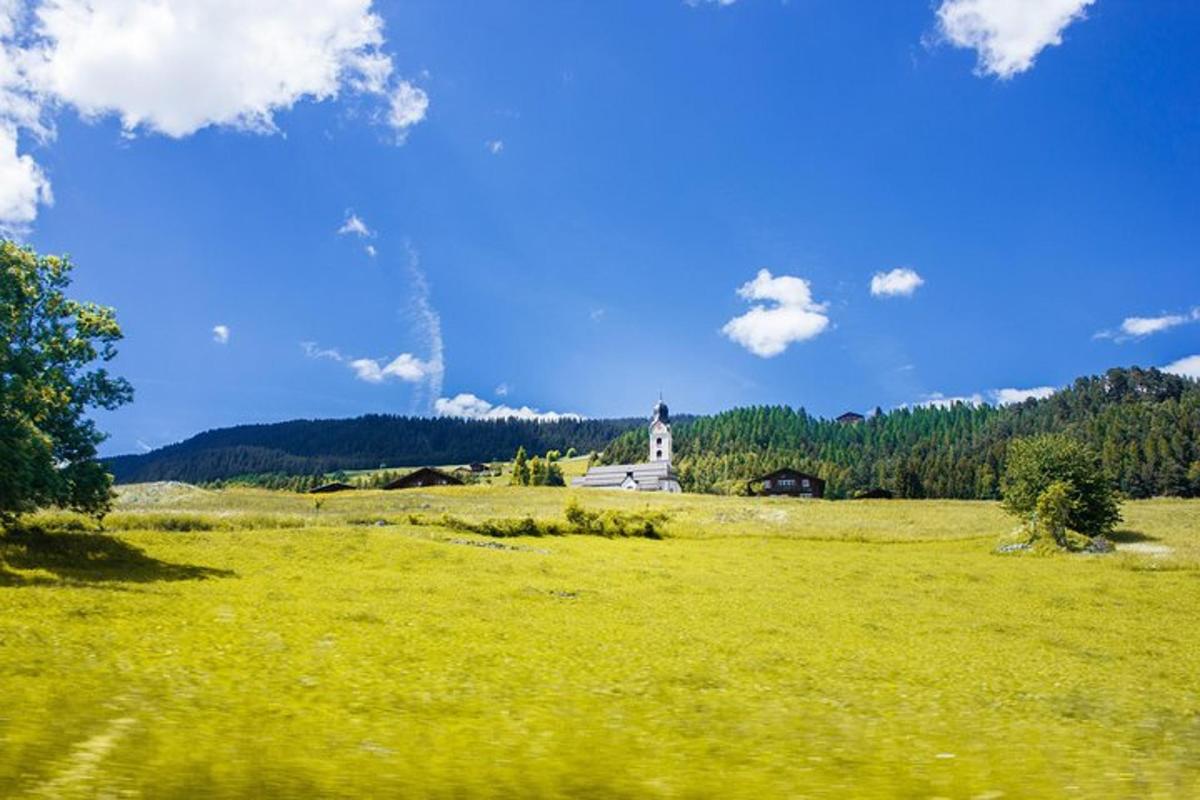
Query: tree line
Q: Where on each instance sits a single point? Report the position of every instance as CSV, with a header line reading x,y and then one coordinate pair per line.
x,y
1144,424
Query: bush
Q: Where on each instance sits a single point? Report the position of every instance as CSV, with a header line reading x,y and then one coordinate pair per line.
x,y
1085,500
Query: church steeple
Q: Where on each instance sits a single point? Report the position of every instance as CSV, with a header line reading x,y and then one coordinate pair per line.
x,y
660,433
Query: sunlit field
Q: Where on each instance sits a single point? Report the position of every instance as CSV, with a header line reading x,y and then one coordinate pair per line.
x,y
250,643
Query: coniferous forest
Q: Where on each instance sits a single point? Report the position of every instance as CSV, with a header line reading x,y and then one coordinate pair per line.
x,y
312,447
1144,424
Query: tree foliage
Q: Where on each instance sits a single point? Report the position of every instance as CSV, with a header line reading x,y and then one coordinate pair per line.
x,y
1144,424
1056,475
52,351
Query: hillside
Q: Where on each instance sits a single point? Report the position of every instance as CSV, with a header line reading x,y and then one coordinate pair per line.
x,y
306,447
1144,423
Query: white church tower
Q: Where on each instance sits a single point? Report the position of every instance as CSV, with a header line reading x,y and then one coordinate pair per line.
x,y
660,433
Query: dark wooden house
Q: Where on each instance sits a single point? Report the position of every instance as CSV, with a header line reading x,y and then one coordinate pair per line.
x,y
850,418
425,476
789,482
327,488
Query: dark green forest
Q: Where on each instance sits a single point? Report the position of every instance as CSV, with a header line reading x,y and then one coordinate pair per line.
x,y
314,447
1145,424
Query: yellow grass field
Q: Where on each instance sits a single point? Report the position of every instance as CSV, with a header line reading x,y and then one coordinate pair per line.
x,y
247,643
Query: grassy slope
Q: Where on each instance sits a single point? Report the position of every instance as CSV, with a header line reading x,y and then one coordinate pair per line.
x,y
767,648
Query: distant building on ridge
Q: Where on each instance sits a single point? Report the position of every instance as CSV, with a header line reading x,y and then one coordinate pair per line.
x,y
656,475
850,418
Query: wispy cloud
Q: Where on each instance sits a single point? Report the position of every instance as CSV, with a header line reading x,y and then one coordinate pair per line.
x,y
502,390
408,106
939,400
405,367
220,334
494,146
354,226
469,406
791,316
997,397
1007,35
900,282
1140,327
313,351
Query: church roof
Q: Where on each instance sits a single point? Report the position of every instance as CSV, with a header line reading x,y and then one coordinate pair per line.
x,y
613,475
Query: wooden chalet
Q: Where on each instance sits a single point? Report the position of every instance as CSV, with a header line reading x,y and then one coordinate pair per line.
x,y
788,482
425,476
327,488
851,418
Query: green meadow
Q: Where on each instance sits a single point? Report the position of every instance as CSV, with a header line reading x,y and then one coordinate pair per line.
x,y
248,643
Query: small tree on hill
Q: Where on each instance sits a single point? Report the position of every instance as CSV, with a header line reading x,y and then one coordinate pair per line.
x,y
537,471
1081,496
520,469
50,351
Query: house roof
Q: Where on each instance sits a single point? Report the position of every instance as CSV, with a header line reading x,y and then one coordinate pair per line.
x,y
612,475
787,471
415,475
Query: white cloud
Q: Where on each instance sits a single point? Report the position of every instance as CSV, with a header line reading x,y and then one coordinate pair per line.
x,y
1188,367
23,185
177,66
371,251
597,314
767,330
900,282
1138,327
1007,35
355,226
494,146
939,400
220,334
1005,397
468,406
405,367
502,390
408,106
313,351
695,3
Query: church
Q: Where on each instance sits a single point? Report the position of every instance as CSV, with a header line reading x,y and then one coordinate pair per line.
x,y
655,475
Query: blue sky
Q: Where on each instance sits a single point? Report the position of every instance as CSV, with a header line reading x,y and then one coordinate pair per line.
x,y
472,208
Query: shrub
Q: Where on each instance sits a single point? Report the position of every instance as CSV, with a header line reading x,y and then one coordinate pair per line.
x,y
1088,496
1052,513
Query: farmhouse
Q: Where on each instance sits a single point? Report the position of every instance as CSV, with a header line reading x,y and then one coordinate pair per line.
x,y
850,418
787,481
327,488
655,475
425,476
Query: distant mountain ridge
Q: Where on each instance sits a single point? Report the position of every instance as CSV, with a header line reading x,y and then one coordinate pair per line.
x,y
307,447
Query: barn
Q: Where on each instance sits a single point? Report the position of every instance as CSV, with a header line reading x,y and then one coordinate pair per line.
x,y
788,482
328,488
425,476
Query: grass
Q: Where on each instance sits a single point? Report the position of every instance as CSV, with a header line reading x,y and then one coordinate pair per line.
x,y
764,648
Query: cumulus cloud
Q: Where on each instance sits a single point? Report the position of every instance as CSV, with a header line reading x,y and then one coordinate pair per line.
x,y
1188,367
1007,35
174,67
1006,397
354,226
1138,327
900,282
408,106
469,406
23,185
790,316
405,367
939,400
220,334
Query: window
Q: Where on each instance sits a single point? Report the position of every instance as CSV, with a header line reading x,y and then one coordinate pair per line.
x,y
658,454
787,482
658,441
805,483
